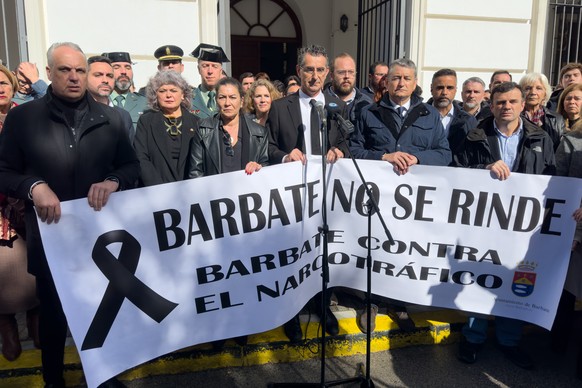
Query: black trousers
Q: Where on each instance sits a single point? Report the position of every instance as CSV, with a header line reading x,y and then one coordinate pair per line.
x,y
52,332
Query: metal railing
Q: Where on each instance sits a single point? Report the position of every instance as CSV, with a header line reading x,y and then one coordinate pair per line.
x,y
379,34
564,41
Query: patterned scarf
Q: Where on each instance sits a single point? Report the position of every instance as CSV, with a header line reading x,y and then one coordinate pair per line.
x,y
537,117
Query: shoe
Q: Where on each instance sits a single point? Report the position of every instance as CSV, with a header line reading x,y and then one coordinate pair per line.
x,y
331,323
11,348
112,383
402,319
468,351
293,330
363,321
517,356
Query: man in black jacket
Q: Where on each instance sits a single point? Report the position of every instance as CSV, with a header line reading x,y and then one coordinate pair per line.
x,y
570,74
64,146
503,144
456,121
343,86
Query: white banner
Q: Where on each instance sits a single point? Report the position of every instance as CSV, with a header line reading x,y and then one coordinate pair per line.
x,y
170,266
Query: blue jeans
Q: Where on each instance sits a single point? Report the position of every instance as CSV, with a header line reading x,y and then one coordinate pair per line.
x,y
507,330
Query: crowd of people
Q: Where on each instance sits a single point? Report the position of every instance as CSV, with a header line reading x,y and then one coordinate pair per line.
x,y
90,133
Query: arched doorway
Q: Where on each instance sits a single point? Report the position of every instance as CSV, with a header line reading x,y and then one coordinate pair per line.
x,y
265,36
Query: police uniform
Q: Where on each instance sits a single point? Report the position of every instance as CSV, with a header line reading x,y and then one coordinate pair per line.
x,y
133,103
200,101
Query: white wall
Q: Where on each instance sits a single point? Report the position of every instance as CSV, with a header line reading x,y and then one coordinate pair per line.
x,y
315,19
477,37
344,41
138,27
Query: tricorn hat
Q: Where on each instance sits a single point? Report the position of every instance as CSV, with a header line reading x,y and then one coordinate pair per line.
x,y
209,52
168,53
118,57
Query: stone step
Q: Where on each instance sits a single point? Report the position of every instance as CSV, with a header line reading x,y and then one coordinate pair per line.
x,y
433,326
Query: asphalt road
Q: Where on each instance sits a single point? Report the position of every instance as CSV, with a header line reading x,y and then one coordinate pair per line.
x,y
417,366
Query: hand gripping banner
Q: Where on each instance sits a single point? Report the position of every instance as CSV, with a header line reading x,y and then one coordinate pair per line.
x,y
122,284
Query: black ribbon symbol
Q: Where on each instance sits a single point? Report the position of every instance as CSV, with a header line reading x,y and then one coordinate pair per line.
x,y
122,284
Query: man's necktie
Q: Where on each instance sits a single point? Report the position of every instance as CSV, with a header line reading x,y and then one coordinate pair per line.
x,y
119,101
402,111
315,144
211,101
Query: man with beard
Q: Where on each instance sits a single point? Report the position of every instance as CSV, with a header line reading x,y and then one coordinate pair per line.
x,y
456,122
473,95
122,96
343,80
100,82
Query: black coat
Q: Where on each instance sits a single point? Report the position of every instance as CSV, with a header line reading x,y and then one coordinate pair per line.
x,y
553,124
205,156
37,144
286,128
535,155
355,107
461,123
153,151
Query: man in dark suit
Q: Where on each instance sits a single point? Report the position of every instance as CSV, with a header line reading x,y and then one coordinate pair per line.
x,y
289,119
292,137
122,96
61,147
100,82
210,60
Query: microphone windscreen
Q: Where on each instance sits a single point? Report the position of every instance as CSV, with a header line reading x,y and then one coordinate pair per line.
x,y
333,108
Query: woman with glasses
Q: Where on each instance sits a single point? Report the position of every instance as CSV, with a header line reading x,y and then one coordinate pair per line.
x,y
229,141
163,134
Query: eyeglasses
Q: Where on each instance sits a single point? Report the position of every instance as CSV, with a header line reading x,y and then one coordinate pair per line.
x,y
343,73
311,70
227,140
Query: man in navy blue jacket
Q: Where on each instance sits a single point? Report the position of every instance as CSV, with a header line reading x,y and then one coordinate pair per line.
x,y
400,128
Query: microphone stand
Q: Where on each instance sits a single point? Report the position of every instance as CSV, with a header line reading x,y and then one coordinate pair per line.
x,y
323,230
371,208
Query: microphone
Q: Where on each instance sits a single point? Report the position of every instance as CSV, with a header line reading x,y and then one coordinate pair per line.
x,y
322,114
335,113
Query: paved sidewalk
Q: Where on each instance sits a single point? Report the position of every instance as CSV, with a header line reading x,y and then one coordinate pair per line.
x,y
433,326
